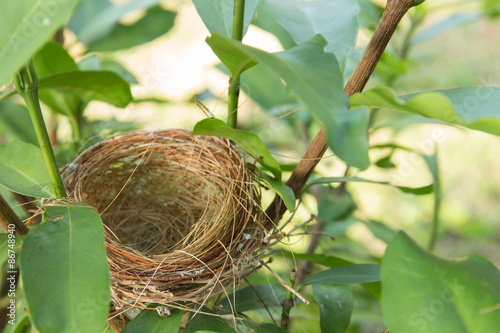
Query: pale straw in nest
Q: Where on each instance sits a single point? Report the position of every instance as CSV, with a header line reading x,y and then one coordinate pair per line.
x,y
182,214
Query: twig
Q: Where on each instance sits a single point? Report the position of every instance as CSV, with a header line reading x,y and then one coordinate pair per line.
x,y
284,284
9,217
394,12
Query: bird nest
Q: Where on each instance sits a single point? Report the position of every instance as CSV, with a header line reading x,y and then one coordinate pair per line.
x,y
182,214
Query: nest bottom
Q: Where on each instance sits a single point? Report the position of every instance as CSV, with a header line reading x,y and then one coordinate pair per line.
x,y
182,214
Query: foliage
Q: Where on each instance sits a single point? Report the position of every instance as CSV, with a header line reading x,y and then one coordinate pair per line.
x,y
64,274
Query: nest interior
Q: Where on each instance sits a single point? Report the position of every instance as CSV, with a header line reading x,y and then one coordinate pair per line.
x,y
182,214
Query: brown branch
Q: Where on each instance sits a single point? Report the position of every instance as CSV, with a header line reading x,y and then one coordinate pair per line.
x,y
393,13
29,206
9,217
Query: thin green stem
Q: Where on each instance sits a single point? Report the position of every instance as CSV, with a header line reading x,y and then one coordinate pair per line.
x,y
288,303
415,21
26,83
233,97
435,218
238,18
234,78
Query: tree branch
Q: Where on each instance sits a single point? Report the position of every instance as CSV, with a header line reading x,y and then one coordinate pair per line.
x,y
8,217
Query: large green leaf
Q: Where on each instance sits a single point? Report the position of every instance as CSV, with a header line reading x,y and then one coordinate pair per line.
x,y
218,15
96,62
314,76
22,170
359,273
103,86
472,107
27,25
67,253
249,142
235,59
15,120
425,293
448,23
208,323
267,328
335,307
328,180
283,190
155,23
317,258
253,298
54,59
95,18
150,321
336,20
266,21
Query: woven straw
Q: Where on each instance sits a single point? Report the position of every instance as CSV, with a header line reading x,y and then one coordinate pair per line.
x,y
182,214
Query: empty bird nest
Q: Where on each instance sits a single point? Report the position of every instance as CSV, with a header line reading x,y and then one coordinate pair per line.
x,y
182,214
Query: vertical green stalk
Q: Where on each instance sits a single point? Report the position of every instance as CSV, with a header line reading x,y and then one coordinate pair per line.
x,y
26,83
234,78
288,303
435,218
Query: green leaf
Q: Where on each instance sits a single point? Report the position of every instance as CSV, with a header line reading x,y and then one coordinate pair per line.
x,y
235,59
385,162
206,323
54,59
150,321
417,190
472,107
91,85
411,190
22,170
246,299
335,307
345,179
336,21
267,89
314,76
381,231
95,18
67,253
321,259
218,15
359,273
249,142
267,328
15,120
95,62
448,23
283,190
425,293
266,21
333,207
155,23
26,26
